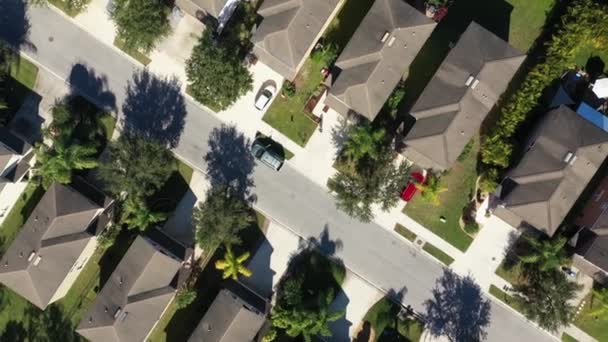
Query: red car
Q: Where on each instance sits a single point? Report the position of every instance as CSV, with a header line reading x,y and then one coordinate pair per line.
x,y
410,190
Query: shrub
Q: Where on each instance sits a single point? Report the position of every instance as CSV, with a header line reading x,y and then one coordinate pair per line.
x,y
583,24
489,180
465,151
289,89
185,298
471,227
270,336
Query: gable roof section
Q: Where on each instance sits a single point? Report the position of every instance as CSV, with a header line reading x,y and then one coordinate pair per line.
x,y
369,69
57,231
288,31
542,188
448,112
135,295
230,318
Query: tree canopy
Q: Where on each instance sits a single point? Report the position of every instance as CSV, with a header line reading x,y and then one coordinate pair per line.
x,y
545,255
56,163
220,218
232,264
363,141
137,215
137,166
216,74
141,24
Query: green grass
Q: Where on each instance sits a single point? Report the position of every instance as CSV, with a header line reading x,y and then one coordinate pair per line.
x,y
24,71
504,297
568,338
527,20
596,326
61,5
587,50
460,184
509,271
406,233
286,114
138,56
438,254
383,314
19,214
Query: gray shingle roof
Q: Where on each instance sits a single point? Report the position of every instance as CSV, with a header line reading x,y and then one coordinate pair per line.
x,y
58,231
542,188
230,318
369,69
448,112
134,297
288,31
594,248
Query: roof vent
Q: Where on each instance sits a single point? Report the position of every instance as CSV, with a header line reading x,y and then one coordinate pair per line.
x,y
474,85
123,316
37,260
384,36
469,81
117,312
568,156
572,160
32,255
392,41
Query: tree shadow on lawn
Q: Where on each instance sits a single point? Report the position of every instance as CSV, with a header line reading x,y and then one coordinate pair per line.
x,y
84,81
48,325
457,309
229,161
154,108
15,25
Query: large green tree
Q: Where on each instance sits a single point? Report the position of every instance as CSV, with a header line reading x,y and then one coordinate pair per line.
x,y
137,215
220,218
216,74
141,24
136,166
300,320
56,163
547,296
373,182
544,254
363,141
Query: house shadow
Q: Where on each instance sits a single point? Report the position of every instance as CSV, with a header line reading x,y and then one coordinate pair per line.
x,y
84,81
457,309
27,122
262,278
35,325
179,225
229,161
154,108
15,25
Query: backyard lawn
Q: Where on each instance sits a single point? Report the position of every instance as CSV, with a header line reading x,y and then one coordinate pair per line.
x,y
527,20
594,325
460,184
383,315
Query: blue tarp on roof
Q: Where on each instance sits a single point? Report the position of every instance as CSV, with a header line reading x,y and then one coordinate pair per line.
x,y
593,116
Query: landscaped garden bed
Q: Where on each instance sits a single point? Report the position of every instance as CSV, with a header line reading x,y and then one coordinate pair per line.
x,y
383,319
406,233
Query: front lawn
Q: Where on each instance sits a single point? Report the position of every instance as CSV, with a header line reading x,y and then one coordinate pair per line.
x,y
510,270
383,315
62,6
138,56
594,325
24,71
460,184
438,254
286,113
508,299
568,338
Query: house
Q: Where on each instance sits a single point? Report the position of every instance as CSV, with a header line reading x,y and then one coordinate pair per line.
x,y
460,95
377,57
562,156
236,314
55,242
15,158
136,294
591,242
289,31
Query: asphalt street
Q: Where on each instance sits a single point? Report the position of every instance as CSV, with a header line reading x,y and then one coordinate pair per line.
x,y
369,250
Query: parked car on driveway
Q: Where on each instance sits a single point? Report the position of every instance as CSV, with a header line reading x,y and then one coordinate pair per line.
x,y
263,153
410,189
265,96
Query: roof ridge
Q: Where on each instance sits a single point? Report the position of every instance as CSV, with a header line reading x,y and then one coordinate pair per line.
x,y
44,243
138,297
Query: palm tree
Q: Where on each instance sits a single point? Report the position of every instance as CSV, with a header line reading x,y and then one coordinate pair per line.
x,y
363,141
233,265
136,214
55,164
431,189
601,296
545,254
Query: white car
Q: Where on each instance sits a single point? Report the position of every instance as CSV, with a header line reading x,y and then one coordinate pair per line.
x,y
265,97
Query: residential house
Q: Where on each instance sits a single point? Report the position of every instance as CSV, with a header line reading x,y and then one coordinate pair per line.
x,y
377,57
15,158
236,314
562,156
450,110
591,242
136,294
289,31
55,242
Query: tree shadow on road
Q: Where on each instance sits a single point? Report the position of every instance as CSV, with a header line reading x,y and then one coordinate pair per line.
x,y
457,309
229,161
155,108
84,81
15,25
